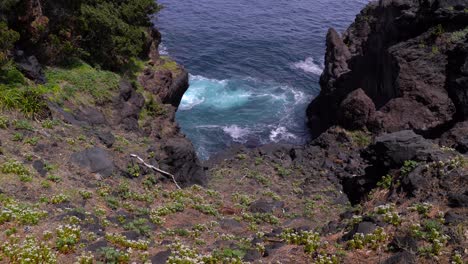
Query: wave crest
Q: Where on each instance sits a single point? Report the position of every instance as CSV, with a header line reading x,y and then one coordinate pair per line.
x,y
309,65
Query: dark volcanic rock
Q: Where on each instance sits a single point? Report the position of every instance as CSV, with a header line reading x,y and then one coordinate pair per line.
x,y
393,149
457,80
39,166
183,162
364,227
413,86
161,257
264,206
90,116
403,257
107,138
356,110
30,67
128,106
457,137
96,160
170,86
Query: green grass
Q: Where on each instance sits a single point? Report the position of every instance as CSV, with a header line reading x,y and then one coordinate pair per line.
x,y
168,64
80,80
28,100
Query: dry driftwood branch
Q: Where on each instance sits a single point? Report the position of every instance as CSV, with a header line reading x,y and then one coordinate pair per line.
x,y
165,173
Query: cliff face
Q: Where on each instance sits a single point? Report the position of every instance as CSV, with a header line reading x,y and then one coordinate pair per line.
x,y
402,55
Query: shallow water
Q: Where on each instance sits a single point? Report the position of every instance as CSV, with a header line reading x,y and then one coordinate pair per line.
x,y
254,65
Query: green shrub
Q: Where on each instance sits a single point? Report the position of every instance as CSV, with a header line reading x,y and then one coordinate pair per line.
x,y
29,100
8,38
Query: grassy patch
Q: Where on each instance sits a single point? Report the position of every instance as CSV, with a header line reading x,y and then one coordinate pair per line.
x,y
84,83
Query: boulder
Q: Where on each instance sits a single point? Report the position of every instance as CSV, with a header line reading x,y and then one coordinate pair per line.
x,y
264,206
403,257
365,227
182,161
355,110
106,137
456,137
161,257
95,160
393,149
30,67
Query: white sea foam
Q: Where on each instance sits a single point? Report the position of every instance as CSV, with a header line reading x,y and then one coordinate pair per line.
x,y
309,65
236,132
190,101
212,93
299,97
163,50
280,133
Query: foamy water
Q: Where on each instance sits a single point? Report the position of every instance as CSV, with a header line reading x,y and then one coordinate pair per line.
x,y
255,66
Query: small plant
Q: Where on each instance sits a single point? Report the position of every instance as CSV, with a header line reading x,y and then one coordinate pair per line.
x,y
30,251
206,209
85,258
134,170
23,213
22,125
86,195
283,172
112,202
360,138
422,209
54,178
373,240
4,123
49,123
431,232
112,255
59,198
385,182
457,258
438,31
310,240
241,156
259,218
67,237
121,240
17,168
32,141
326,259
140,226
258,177
408,167
389,214
17,137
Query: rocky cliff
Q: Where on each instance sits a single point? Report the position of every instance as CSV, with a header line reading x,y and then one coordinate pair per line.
x,y
401,65
384,181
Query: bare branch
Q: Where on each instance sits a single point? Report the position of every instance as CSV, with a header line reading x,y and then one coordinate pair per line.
x,y
165,173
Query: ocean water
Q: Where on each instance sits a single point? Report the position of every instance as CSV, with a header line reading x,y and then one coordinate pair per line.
x,y
254,65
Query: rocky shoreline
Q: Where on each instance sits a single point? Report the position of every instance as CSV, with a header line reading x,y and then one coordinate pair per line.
x,y
384,180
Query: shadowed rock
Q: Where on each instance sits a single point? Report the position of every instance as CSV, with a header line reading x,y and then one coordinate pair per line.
x,y
96,160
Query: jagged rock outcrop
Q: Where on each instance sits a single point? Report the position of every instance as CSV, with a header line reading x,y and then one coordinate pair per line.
x,y
398,52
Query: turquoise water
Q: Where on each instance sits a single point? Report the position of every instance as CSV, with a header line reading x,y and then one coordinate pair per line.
x,y
254,66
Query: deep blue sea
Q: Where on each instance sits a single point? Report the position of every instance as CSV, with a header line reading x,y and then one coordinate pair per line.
x,y
254,65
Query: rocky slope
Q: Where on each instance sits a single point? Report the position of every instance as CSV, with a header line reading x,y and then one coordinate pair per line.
x,y
404,61
384,181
